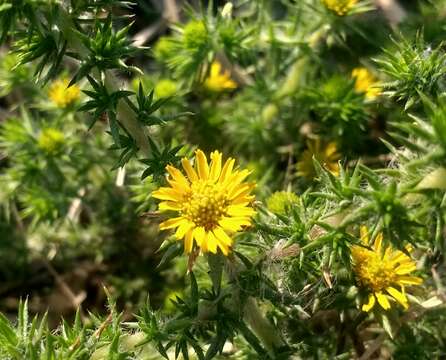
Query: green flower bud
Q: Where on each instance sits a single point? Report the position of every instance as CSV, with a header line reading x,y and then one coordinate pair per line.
x,y
281,201
51,141
195,35
165,88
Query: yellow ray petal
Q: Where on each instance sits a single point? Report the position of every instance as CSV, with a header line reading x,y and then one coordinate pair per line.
x,y
211,243
199,235
234,224
202,165
409,280
237,210
244,200
223,248
172,223
236,178
241,191
184,227
215,165
167,194
398,296
191,173
177,176
406,268
382,300
364,234
180,187
188,241
378,243
227,169
367,307
169,205
221,235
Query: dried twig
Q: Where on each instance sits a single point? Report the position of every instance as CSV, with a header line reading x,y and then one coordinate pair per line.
x,y
75,300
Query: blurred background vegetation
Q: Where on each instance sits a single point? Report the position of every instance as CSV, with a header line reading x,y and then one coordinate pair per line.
x,y
274,83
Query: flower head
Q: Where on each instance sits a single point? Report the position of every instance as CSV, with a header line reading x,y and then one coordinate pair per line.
x,y
51,140
219,80
381,270
326,154
211,201
62,95
365,82
195,35
340,7
280,201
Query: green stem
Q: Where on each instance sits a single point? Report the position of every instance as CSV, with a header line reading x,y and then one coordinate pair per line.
x,y
125,114
263,329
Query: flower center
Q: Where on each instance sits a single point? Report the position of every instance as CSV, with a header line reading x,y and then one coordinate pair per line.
x,y
205,205
373,271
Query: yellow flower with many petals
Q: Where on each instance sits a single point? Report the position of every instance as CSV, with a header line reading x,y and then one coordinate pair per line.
x,y
219,80
381,270
326,154
212,202
340,7
62,95
366,82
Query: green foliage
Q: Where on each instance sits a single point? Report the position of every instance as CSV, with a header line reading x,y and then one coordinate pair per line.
x,y
413,68
79,226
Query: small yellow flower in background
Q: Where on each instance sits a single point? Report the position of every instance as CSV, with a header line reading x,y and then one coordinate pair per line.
x,y
165,88
280,201
62,95
380,271
326,154
366,82
51,140
219,80
340,7
212,202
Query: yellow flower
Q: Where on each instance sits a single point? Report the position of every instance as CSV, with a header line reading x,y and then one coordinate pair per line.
x,y
380,271
280,201
219,80
165,88
340,7
366,82
51,140
62,95
326,154
212,202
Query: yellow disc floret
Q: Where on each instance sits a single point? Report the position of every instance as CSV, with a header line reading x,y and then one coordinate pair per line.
x,y
380,271
340,7
212,202
62,95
